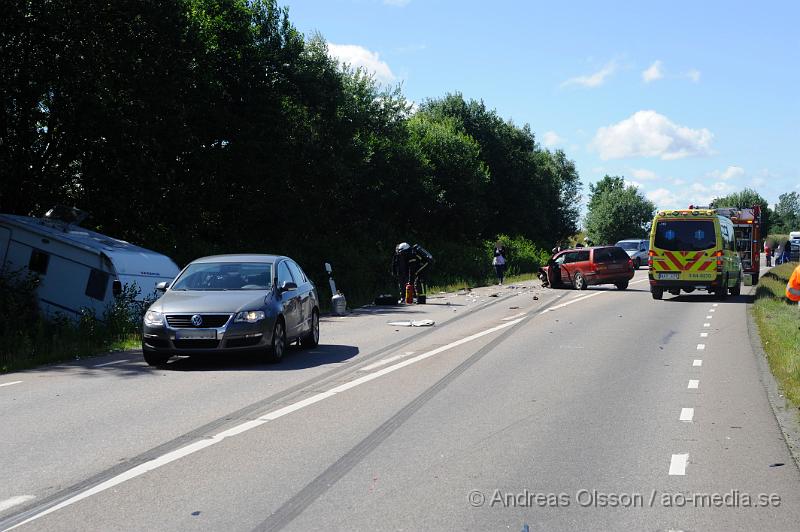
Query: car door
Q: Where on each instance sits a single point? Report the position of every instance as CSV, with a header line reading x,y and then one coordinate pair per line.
x,y
290,301
304,295
568,267
582,264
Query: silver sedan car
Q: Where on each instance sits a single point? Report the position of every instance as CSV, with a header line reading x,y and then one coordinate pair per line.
x,y
232,303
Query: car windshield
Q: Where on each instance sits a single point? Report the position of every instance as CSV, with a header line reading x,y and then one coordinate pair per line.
x,y
629,245
685,235
225,276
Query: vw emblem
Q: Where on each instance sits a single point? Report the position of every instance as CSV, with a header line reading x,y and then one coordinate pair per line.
x,y
197,320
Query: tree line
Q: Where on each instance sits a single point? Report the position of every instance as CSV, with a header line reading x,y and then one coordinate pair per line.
x,y
195,127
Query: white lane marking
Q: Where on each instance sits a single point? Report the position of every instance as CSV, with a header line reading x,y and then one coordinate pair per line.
x,y
701,347
110,363
703,335
515,316
687,414
14,501
693,384
712,310
710,316
706,325
697,362
562,305
715,305
248,425
385,361
10,383
677,466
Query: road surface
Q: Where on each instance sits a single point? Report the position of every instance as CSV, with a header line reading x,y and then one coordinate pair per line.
x,y
546,409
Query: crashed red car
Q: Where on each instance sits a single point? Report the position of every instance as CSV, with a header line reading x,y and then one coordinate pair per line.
x,y
583,267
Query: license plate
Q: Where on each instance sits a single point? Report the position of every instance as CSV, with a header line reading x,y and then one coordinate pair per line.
x,y
666,276
196,334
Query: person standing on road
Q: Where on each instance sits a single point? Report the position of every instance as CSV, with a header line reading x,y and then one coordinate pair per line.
x,y
499,261
793,286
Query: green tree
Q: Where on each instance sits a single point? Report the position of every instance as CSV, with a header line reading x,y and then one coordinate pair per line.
x,y
787,212
616,212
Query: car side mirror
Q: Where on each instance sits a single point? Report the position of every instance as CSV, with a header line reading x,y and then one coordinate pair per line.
x,y
288,286
116,287
162,286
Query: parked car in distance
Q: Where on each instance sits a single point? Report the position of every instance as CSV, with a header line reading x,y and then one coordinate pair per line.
x,y
637,250
232,303
582,267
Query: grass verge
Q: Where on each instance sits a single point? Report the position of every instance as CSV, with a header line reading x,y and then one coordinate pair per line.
x,y
779,327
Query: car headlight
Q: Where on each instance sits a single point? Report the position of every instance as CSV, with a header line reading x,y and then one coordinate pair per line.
x,y
250,316
153,318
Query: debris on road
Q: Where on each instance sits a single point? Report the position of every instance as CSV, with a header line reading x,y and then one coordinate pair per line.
x,y
412,323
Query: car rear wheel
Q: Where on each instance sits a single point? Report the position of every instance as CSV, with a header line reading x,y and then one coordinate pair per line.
x,y
636,263
657,293
312,338
579,281
156,359
278,345
622,285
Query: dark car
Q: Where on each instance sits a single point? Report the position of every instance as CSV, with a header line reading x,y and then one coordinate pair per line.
x,y
232,303
582,267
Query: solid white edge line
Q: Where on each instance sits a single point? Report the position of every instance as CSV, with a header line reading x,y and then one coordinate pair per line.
x,y
515,316
701,347
693,384
382,363
697,362
677,466
10,383
14,501
110,363
248,425
687,414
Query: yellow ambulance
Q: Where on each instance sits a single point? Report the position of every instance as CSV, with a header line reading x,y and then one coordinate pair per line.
x,y
693,249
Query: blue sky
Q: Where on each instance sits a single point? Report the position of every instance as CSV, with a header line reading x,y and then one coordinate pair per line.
x,y
686,100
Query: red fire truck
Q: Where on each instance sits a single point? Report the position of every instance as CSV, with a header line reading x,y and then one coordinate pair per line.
x,y
749,240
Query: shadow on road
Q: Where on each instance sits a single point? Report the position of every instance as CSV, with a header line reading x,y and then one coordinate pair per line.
x,y
295,358
708,298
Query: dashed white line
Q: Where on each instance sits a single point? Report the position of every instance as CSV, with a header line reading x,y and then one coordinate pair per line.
x,y
712,310
386,361
706,325
248,425
715,305
697,362
15,501
10,383
110,363
701,347
710,316
677,466
693,384
687,414
703,335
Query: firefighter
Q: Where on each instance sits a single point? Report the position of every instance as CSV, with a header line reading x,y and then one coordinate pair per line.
x,y
793,286
408,264
400,267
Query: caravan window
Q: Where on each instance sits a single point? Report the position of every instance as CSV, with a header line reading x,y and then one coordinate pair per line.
x,y
39,262
96,287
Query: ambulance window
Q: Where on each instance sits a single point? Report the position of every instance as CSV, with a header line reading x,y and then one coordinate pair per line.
x,y
96,287
39,262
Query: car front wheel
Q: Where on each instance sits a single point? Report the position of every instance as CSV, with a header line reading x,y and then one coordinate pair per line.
x,y
278,345
622,285
156,359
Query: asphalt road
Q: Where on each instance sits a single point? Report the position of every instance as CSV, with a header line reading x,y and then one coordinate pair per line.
x,y
555,409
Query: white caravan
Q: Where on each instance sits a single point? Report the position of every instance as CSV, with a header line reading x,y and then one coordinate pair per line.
x,y
78,268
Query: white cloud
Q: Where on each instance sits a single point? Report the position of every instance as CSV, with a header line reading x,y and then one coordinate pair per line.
x,y
632,183
551,139
649,134
643,174
593,80
729,173
360,57
397,3
663,198
654,72
693,75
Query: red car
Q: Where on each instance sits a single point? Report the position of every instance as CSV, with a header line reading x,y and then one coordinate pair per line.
x,y
582,267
